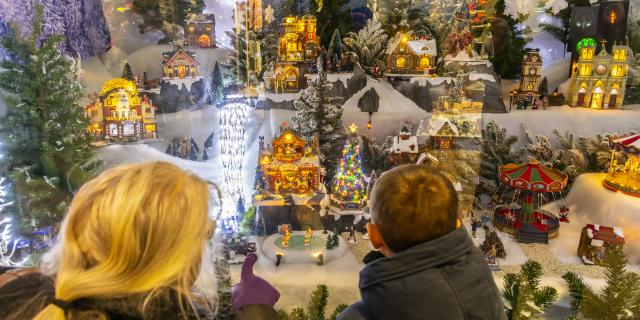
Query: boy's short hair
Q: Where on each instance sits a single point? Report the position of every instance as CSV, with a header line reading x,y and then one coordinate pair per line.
x,y
412,204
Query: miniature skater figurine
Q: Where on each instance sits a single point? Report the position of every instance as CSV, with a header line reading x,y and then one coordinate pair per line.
x,y
474,226
307,237
352,235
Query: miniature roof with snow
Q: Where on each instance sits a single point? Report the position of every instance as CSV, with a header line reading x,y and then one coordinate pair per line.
x,y
409,145
606,234
417,46
439,123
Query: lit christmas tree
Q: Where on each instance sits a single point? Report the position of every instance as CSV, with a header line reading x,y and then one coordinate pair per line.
x,y
348,187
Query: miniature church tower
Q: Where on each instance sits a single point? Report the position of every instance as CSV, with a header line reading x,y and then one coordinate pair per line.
x,y
598,81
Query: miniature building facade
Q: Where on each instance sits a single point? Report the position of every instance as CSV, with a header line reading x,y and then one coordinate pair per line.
x,y
120,114
297,51
180,64
292,166
531,76
200,31
598,81
411,54
299,41
606,20
597,241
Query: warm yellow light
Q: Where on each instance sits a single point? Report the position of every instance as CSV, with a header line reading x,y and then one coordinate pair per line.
x,y
405,39
613,17
353,128
288,137
121,9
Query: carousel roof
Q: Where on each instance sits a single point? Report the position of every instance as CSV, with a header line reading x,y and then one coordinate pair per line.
x,y
629,144
532,176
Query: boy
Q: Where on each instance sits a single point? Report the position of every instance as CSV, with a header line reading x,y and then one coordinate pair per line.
x,y
430,268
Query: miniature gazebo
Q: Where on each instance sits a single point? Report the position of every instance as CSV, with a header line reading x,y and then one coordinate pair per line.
x,y
523,217
624,175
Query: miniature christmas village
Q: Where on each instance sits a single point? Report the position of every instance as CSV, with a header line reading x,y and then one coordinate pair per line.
x,y
295,108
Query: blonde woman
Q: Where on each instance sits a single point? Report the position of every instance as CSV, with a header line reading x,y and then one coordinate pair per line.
x,y
132,246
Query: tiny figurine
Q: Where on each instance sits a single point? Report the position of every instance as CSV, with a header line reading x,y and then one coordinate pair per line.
x,y
286,237
307,237
474,227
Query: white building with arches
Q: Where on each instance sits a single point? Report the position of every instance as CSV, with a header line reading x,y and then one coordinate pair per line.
x,y
598,81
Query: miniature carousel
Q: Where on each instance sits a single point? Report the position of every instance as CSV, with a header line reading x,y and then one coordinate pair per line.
x,y
624,168
527,187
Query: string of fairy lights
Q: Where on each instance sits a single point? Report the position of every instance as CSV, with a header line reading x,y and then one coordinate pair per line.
x,y
233,118
349,184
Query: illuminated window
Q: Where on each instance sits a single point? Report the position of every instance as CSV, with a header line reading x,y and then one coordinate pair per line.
x,y
613,16
620,55
529,86
424,62
585,42
585,70
617,71
401,62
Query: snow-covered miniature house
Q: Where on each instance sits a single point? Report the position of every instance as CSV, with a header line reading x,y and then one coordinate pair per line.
x,y
625,176
410,54
598,81
291,166
297,51
528,91
596,241
404,148
120,114
444,132
180,64
200,31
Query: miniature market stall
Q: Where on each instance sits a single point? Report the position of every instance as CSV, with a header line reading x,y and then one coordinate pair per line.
x,y
624,167
523,217
289,181
596,241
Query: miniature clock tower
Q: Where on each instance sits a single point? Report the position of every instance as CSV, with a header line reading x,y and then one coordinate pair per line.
x,y
528,92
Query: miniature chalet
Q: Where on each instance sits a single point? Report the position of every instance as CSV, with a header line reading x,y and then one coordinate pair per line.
x,y
200,31
409,54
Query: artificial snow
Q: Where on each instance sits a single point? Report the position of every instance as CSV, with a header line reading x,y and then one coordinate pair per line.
x,y
591,203
475,76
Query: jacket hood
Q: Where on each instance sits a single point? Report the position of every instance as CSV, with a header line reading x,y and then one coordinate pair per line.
x,y
431,254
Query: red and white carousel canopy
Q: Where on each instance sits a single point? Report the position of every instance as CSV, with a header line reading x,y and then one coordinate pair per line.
x,y
630,144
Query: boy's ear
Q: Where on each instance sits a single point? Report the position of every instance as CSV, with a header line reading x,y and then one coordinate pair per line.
x,y
374,235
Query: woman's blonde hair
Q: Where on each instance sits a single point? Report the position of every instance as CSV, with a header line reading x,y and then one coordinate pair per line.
x,y
135,230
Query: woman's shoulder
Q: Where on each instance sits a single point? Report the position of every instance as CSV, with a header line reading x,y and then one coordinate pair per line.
x,y
24,292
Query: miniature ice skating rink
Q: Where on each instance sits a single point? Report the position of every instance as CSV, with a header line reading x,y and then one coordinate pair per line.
x,y
297,252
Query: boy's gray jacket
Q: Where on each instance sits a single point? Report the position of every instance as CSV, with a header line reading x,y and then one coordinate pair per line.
x,y
442,279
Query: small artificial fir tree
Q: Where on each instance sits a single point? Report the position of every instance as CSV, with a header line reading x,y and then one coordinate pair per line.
x,y
217,85
320,115
49,152
497,149
316,307
618,300
349,181
223,277
369,45
524,298
336,43
126,71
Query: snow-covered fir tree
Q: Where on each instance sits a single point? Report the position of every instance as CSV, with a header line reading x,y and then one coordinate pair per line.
x,y
497,149
126,71
524,298
369,45
618,299
44,129
403,16
217,85
320,115
7,246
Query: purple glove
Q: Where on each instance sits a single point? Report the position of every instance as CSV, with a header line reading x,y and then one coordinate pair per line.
x,y
253,289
